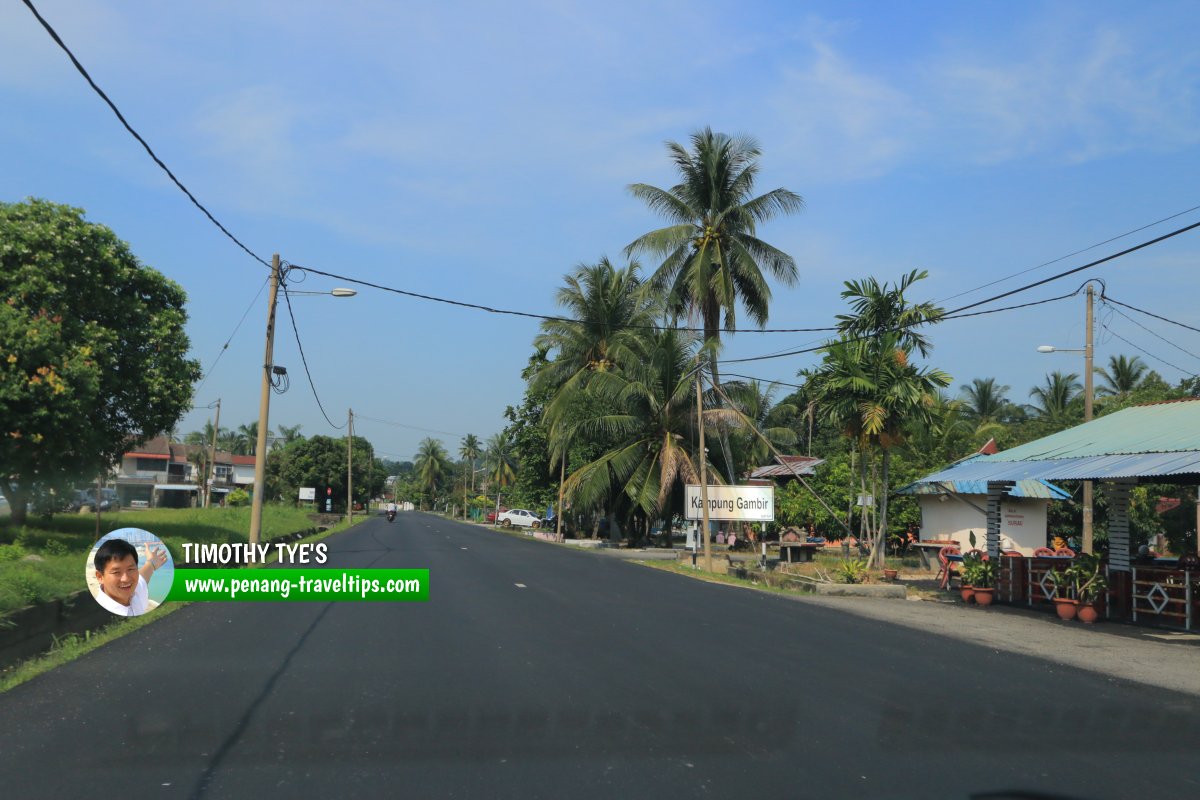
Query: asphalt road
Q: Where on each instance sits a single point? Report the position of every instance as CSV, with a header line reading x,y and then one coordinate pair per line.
x,y
538,671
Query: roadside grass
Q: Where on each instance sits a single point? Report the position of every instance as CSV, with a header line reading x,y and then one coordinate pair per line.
x,y
717,577
71,647
61,543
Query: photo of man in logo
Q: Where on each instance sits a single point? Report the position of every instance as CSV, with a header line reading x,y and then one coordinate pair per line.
x,y
126,577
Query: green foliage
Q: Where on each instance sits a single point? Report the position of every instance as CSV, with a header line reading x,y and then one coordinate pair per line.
x,y
851,570
238,498
1086,577
93,352
319,461
11,552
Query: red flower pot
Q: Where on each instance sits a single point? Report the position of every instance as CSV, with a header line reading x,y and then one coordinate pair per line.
x,y
890,574
968,593
1066,607
1088,613
984,597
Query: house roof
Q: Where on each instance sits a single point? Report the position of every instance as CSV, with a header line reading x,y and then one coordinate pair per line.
x,y
242,461
1154,440
1031,489
784,465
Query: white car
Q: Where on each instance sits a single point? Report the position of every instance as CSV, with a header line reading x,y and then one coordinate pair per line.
x,y
518,517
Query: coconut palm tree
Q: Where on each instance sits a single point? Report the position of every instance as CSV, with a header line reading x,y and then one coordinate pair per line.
x,y
1122,376
756,405
432,465
1054,398
287,435
712,258
608,311
469,450
651,417
983,401
501,463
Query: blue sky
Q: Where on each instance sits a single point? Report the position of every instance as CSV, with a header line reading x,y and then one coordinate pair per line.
x,y
480,151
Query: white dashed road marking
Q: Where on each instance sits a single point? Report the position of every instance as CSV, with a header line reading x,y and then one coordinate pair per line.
x,y
520,586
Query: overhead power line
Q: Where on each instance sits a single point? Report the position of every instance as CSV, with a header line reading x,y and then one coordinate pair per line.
x,y
1148,313
943,318
528,314
80,68
303,360
225,346
1156,335
1146,352
1071,255
403,425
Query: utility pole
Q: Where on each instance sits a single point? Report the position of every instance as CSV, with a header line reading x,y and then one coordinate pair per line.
x,y
212,459
562,476
703,471
350,467
264,407
1087,417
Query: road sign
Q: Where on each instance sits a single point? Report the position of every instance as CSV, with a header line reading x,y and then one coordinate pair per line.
x,y
745,503
309,493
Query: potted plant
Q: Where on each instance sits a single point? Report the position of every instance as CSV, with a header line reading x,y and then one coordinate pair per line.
x,y
1064,602
970,565
984,581
1089,584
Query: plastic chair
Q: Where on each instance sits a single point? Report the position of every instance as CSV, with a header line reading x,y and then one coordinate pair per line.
x,y
1013,553
1043,552
947,572
1065,551
720,538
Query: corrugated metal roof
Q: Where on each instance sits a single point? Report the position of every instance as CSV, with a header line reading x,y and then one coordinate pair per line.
x,y
1073,469
805,465
1156,428
1025,488
1160,439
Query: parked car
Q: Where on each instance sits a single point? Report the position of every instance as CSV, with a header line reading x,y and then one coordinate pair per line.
x,y
491,515
520,518
85,500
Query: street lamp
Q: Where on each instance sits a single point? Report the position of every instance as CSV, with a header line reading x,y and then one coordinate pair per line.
x,y
264,403
1088,399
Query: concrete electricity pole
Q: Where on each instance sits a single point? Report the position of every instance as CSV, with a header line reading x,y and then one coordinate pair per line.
x,y
703,472
212,459
264,407
350,467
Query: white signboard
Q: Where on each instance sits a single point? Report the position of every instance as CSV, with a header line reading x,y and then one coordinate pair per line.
x,y
308,494
746,503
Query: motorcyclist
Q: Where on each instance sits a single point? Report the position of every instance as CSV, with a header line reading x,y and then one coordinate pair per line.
x,y
391,511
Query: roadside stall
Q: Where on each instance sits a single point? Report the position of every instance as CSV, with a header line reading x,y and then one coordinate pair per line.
x,y
1156,443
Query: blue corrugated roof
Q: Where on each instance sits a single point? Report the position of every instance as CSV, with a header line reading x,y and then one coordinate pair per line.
x,y
1073,469
1025,488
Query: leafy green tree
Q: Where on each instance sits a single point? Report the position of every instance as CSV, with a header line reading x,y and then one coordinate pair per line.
x,y
879,310
320,461
712,258
93,352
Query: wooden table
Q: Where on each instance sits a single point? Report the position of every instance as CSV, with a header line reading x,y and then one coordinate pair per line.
x,y
929,552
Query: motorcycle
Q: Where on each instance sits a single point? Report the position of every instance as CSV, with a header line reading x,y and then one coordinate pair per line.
x,y
391,516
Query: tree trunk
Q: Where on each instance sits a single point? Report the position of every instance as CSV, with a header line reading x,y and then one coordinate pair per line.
x,y
18,499
881,534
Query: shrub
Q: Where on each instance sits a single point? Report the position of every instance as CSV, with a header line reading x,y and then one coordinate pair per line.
x,y
238,497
